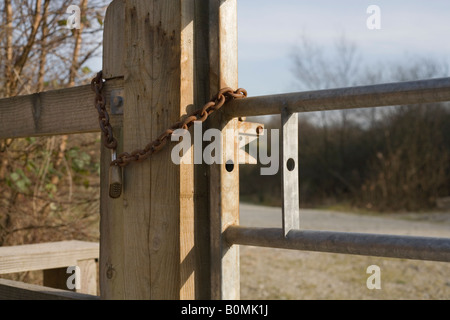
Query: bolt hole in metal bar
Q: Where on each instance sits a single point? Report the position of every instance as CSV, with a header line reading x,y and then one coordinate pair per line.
x,y
378,245
290,165
229,166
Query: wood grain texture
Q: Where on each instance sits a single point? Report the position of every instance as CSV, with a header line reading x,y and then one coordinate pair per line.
x,y
224,185
158,203
139,16
57,112
156,236
111,262
114,40
45,255
89,277
52,112
186,171
13,290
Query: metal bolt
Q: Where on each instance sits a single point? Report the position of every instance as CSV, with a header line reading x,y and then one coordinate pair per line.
x,y
117,101
260,130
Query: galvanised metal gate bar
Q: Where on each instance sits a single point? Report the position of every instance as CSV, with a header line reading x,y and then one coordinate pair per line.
x,y
377,245
290,236
390,94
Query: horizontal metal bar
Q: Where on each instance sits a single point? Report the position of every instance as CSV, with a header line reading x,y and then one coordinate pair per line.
x,y
379,245
390,94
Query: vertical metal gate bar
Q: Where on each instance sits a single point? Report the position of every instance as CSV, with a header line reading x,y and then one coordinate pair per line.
x,y
289,170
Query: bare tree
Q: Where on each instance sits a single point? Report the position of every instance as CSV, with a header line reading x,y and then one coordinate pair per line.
x,y
390,158
39,52
48,186
316,68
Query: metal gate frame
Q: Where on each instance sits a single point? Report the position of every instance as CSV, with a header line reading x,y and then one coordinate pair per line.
x,y
291,236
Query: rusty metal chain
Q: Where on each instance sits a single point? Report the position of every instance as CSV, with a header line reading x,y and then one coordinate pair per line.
x,y
103,116
124,159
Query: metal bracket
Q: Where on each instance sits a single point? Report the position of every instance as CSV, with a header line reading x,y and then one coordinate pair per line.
x,y
249,132
117,101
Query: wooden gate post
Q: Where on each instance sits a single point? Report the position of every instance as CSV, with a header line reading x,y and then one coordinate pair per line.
x,y
163,238
112,246
224,178
155,240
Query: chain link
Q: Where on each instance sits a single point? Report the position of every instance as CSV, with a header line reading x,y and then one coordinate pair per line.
x,y
103,116
124,159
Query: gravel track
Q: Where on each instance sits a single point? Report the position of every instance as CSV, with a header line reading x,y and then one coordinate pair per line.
x,y
268,273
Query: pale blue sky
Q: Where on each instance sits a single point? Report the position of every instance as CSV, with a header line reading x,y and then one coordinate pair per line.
x,y
269,29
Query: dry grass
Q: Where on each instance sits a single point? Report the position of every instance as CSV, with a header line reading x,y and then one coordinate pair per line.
x,y
268,273
283,274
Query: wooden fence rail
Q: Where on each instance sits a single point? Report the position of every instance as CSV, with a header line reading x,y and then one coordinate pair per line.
x,y
54,259
56,112
71,110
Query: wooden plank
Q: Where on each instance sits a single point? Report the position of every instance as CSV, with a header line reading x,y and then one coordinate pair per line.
x,y
193,211
57,112
163,257
13,290
111,264
141,242
52,112
186,172
289,171
114,40
45,255
224,185
88,274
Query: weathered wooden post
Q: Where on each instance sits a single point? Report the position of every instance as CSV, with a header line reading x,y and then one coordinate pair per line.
x,y
224,178
172,55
